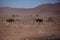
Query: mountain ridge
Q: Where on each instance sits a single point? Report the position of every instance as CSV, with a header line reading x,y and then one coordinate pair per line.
x,y
41,8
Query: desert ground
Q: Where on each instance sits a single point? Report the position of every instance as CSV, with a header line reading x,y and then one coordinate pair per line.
x,y
39,23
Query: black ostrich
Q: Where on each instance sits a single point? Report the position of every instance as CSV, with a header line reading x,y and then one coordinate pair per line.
x,y
10,20
39,20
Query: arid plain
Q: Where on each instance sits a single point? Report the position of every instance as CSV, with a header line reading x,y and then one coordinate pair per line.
x,y
39,23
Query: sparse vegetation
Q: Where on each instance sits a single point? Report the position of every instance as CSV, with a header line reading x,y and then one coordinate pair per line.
x,y
37,15
13,15
50,19
41,38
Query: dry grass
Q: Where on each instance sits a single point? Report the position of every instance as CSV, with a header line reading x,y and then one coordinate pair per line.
x,y
26,26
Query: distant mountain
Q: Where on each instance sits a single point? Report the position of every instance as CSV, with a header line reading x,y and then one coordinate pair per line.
x,y
48,7
55,8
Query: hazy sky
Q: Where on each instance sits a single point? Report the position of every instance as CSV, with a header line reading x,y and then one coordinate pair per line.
x,y
24,3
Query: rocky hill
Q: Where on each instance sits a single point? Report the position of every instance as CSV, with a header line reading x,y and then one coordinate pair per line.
x,y
55,8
